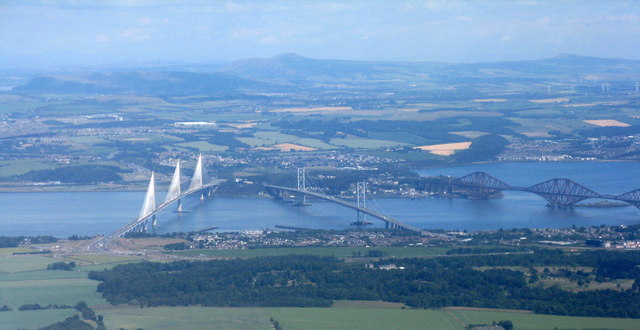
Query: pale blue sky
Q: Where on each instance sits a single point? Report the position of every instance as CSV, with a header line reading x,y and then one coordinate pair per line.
x,y
50,32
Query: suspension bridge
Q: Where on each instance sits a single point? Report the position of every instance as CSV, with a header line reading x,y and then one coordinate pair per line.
x,y
558,192
280,192
149,208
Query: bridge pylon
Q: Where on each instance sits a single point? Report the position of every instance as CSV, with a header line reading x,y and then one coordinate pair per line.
x,y
197,181
149,204
174,188
361,199
302,185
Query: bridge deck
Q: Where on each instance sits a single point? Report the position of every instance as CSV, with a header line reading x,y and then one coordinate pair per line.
x,y
345,203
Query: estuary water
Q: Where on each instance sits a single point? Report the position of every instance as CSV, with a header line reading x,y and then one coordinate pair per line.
x,y
63,214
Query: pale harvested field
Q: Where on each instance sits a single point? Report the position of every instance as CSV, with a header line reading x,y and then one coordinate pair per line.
x,y
265,148
291,146
479,309
136,139
576,105
318,109
445,149
555,100
607,123
242,125
489,100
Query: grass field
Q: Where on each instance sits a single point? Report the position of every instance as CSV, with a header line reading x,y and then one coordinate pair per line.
x,y
18,167
339,252
50,291
255,142
202,146
348,315
10,251
315,143
537,321
33,319
14,264
192,318
357,142
275,137
400,137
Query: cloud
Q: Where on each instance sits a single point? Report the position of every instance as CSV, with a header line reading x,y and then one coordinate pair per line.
x,y
144,20
102,37
270,40
246,33
135,35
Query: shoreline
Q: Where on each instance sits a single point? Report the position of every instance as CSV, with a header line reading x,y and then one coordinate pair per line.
x,y
33,188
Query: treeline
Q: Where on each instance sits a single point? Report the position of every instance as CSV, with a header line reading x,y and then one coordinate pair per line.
x,y
426,283
15,241
75,174
61,266
610,131
84,321
482,148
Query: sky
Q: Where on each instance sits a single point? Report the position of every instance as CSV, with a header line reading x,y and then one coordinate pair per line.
x,y
43,33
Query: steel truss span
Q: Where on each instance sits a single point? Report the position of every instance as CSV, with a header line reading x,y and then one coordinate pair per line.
x,y
558,192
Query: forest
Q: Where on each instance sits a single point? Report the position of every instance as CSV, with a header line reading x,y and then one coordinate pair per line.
x,y
307,281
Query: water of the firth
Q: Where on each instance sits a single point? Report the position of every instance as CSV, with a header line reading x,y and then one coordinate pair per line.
x,y
89,213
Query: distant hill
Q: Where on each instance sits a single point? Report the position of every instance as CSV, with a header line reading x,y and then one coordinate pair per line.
x,y
293,68
144,83
289,72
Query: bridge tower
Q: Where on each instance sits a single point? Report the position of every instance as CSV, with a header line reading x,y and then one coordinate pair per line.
x,y
149,204
174,188
198,177
302,185
361,198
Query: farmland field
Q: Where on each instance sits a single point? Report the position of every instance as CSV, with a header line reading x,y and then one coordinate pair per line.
x,y
339,252
202,146
356,142
351,315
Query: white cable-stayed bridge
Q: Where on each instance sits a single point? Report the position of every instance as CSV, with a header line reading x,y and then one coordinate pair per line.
x,y
149,208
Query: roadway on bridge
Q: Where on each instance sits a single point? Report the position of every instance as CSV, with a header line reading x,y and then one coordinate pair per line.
x,y
350,205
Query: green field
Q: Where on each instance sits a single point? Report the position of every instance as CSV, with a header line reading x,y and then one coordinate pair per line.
x,y
353,315
50,291
33,319
401,137
275,137
255,142
10,251
21,263
314,143
18,167
339,252
202,146
356,142
192,318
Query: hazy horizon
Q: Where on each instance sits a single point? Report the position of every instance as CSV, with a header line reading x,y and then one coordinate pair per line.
x,y
67,33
